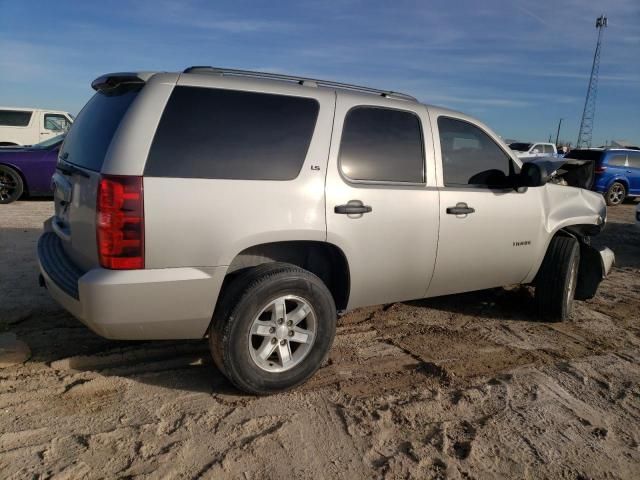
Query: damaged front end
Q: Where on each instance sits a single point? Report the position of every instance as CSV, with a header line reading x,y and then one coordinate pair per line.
x,y
595,265
570,172
578,213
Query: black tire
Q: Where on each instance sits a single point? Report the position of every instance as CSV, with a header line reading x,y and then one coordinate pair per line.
x,y
243,299
11,186
557,279
616,194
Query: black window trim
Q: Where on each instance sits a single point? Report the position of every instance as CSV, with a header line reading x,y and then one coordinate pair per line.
x,y
356,182
469,185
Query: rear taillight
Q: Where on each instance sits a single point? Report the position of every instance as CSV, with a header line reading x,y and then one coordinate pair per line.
x,y
120,222
600,169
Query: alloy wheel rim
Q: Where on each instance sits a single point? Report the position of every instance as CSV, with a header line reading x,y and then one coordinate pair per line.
x,y
282,334
616,193
8,186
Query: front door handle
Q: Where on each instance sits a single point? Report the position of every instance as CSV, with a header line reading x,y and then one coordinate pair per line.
x,y
460,209
353,207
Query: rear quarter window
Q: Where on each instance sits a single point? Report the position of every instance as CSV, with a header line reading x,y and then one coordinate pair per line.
x,y
14,118
634,159
229,134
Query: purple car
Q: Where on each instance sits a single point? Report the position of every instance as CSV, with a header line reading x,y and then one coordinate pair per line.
x,y
28,169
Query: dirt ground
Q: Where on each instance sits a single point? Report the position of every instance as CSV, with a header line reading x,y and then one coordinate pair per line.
x,y
465,386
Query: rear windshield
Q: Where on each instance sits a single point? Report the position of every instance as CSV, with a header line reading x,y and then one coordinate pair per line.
x,y
584,154
90,135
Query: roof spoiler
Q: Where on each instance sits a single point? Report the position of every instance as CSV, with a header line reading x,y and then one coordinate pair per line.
x,y
113,80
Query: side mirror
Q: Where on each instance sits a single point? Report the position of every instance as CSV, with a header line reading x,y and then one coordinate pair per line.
x,y
531,175
535,150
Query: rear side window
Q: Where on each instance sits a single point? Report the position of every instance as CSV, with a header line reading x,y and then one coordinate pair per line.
x,y
14,118
469,156
617,160
382,145
214,133
90,135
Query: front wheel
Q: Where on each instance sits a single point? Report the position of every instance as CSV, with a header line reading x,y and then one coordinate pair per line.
x,y
273,328
557,279
11,186
616,194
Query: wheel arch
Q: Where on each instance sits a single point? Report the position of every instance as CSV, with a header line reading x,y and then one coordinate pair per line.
x,y
590,269
620,179
323,259
25,184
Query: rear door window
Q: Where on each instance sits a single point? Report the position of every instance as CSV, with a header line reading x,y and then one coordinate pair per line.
x,y
229,134
15,118
90,135
470,157
382,145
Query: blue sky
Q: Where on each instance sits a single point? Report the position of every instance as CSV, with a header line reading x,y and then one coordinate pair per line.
x,y
517,65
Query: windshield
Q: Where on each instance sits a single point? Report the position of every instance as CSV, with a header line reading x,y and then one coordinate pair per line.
x,y
520,147
50,142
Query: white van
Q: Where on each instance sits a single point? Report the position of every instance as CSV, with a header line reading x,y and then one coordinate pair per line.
x,y
28,126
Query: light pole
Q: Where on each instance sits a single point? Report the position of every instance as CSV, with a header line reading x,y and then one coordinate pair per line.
x,y
558,132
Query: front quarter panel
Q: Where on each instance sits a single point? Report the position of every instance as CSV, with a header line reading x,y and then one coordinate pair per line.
x,y
563,207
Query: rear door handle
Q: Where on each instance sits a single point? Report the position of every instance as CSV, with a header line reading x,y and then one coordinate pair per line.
x,y
460,209
353,207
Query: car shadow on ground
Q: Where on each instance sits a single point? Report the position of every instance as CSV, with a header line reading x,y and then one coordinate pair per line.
x,y
514,303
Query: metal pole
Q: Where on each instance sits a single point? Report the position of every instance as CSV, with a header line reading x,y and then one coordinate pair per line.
x,y
558,132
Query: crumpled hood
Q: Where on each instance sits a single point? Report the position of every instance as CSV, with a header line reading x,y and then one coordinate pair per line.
x,y
566,171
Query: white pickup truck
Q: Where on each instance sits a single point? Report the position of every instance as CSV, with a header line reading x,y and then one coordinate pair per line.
x,y
530,150
28,126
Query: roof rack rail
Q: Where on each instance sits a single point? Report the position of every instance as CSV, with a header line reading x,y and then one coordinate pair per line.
x,y
300,80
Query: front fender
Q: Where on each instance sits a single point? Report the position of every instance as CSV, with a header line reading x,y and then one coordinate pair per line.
x,y
577,211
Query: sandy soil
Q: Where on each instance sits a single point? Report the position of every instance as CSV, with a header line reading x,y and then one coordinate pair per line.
x,y
466,386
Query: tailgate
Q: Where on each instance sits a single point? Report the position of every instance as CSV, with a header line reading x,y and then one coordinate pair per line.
x,y
75,197
77,174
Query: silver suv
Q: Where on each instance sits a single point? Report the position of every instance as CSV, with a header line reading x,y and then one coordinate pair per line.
x,y
250,208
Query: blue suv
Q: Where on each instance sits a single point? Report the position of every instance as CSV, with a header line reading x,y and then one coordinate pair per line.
x,y
617,172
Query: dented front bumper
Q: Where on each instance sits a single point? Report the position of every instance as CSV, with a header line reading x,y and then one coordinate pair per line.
x,y
595,265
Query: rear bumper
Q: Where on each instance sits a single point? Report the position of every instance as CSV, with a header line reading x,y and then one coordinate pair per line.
x,y
170,303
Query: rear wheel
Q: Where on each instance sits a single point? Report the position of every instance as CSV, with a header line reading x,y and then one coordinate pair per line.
x,y
616,194
557,279
11,186
273,328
